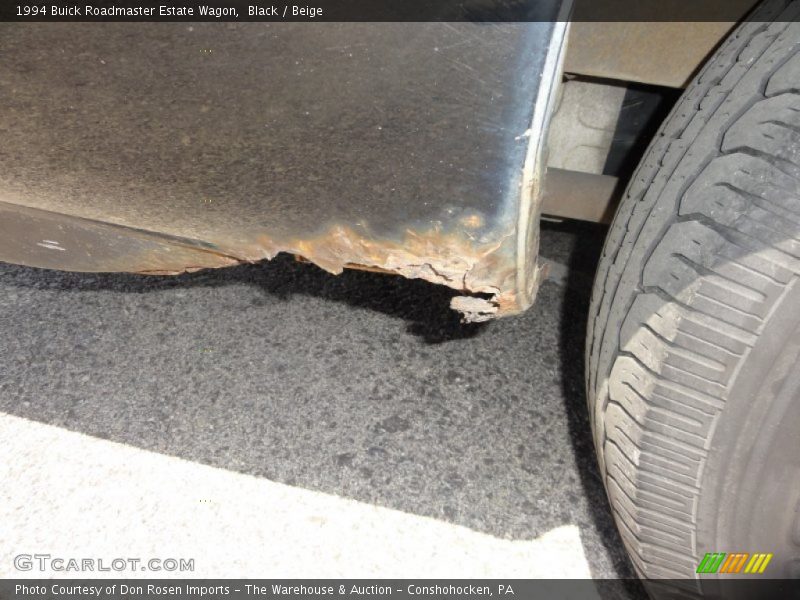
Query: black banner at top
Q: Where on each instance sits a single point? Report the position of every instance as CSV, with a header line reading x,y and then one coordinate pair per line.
x,y
381,10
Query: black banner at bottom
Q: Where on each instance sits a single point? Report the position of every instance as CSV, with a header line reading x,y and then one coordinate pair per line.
x,y
406,589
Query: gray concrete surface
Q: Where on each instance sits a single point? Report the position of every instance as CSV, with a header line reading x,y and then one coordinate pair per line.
x,y
363,386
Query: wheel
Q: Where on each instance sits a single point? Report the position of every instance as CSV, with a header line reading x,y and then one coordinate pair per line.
x,y
693,351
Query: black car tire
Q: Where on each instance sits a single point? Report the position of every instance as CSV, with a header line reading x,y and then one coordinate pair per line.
x,y
694,331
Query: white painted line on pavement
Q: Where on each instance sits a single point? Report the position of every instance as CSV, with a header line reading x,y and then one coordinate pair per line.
x,y
71,495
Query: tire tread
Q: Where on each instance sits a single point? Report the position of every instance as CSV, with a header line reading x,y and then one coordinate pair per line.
x,y
702,251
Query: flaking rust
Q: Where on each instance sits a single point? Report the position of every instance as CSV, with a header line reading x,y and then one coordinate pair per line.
x,y
483,272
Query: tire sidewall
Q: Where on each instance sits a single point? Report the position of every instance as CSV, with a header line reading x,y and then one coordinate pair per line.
x,y
738,509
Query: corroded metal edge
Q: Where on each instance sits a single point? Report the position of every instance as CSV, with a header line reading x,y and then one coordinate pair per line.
x,y
484,272
41,238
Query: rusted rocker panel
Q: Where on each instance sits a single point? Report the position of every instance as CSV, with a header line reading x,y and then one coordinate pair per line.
x,y
160,148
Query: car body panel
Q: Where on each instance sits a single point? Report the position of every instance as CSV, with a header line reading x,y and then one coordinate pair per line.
x,y
406,147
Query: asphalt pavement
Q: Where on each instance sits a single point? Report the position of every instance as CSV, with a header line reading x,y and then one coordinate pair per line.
x,y
363,388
